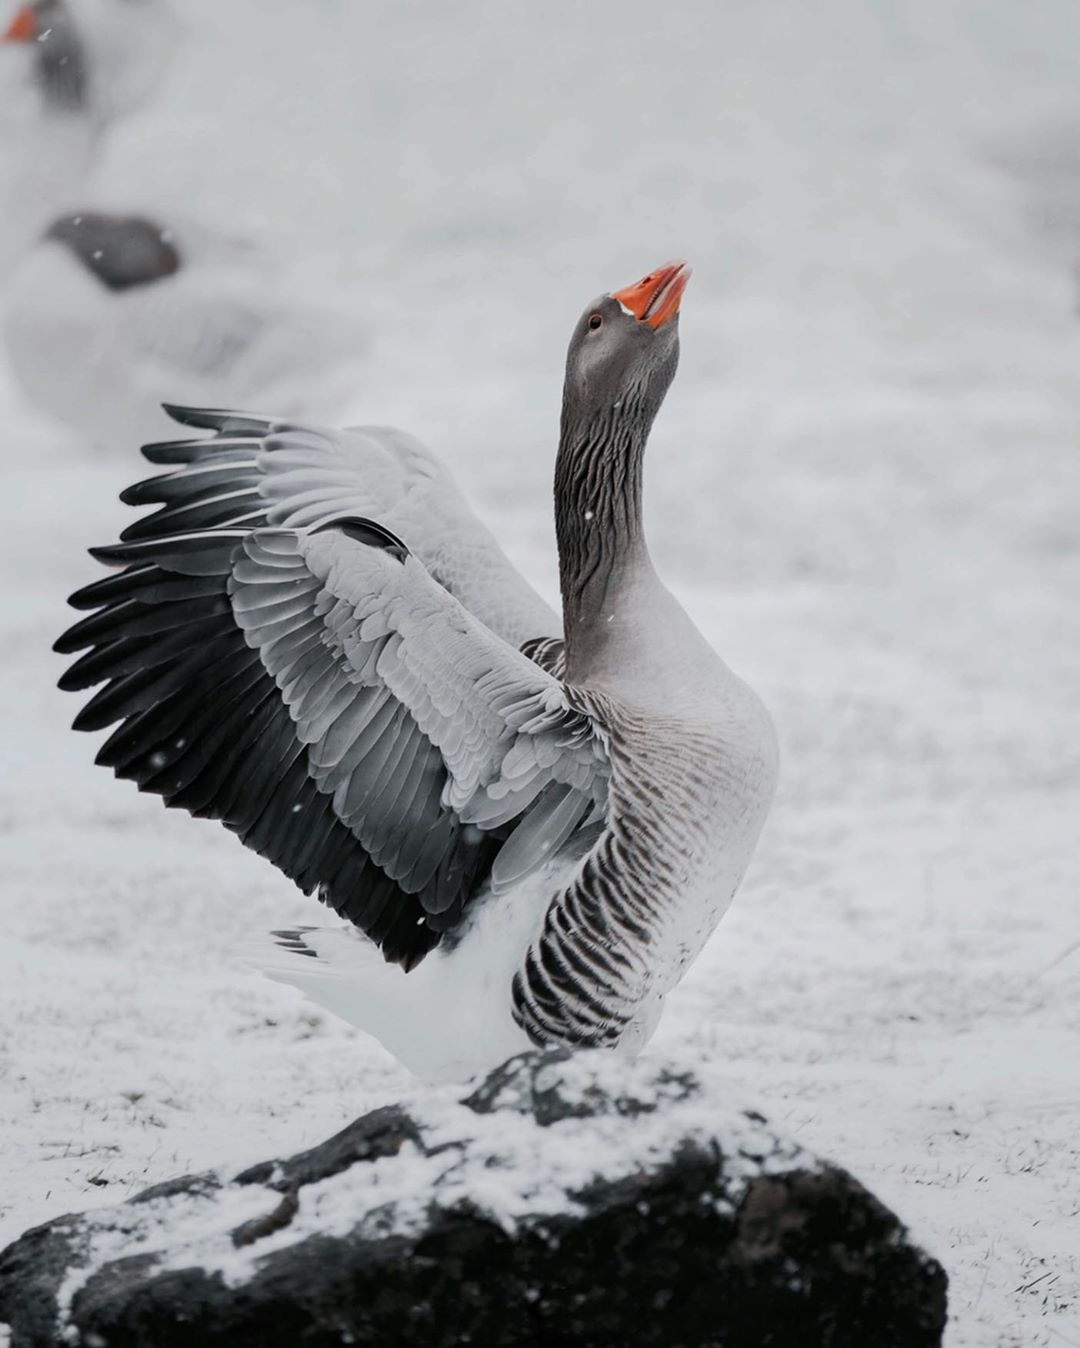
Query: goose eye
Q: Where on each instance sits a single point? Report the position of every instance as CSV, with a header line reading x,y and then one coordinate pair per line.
x,y
594,321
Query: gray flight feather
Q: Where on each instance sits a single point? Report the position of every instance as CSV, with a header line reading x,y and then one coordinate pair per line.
x,y
415,716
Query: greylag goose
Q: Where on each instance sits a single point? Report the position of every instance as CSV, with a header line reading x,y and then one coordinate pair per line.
x,y
531,826
108,315
77,71
98,60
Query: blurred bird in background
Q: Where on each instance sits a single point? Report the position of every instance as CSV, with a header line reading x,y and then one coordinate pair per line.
x,y
111,309
69,71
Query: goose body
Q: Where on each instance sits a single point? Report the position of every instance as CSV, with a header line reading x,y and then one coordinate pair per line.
x,y
530,826
107,315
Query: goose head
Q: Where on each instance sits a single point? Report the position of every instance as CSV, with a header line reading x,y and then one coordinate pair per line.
x,y
101,58
623,354
60,58
622,358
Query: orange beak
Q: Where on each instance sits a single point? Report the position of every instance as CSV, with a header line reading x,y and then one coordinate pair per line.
x,y
655,298
22,28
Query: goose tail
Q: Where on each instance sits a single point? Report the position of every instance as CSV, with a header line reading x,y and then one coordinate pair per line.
x,y
335,967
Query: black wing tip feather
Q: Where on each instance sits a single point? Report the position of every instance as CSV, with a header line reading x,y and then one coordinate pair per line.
x,y
293,941
132,495
369,532
216,418
185,415
110,554
200,718
169,452
71,641
167,548
219,419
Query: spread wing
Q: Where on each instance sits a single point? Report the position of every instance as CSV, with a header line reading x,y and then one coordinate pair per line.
x,y
255,471
314,687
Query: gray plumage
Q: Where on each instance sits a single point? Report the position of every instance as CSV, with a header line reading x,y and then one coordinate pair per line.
x,y
60,58
416,719
316,641
95,58
191,622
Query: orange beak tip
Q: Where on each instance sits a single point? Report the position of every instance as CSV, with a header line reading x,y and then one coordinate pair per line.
x,y
655,298
23,26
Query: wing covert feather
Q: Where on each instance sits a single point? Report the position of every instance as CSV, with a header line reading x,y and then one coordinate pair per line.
x,y
412,711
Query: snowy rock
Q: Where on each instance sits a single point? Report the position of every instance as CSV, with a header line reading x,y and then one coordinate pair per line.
x,y
569,1200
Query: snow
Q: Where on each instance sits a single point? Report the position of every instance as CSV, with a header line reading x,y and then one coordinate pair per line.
x,y
515,1172
862,486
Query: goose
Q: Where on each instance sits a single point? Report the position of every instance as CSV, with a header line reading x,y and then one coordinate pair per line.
x,y
107,313
79,70
110,313
97,60
530,826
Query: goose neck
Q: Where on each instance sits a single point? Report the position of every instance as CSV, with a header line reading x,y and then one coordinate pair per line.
x,y
598,525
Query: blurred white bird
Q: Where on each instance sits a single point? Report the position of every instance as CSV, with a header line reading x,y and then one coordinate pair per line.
x,y
70,69
95,59
108,316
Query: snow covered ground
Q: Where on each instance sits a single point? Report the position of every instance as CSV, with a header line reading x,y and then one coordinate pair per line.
x,y
864,486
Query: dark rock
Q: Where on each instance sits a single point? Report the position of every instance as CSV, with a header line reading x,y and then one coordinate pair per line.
x,y
383,1132
570,1200
535,1085
260,1227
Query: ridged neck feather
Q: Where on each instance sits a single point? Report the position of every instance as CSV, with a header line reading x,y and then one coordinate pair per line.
x,y
598,522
